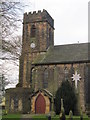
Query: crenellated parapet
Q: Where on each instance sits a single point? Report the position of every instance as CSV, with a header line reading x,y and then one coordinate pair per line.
x,y
39,16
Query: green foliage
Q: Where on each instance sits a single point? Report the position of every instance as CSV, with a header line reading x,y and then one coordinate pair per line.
x,y
67,92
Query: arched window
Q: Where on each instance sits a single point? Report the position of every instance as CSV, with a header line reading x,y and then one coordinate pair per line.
x,y
49,40
15,103
33,31
43,33
66,73
50,35
45,79
72,70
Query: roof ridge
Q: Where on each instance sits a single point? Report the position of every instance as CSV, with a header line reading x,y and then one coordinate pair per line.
x,y
71,44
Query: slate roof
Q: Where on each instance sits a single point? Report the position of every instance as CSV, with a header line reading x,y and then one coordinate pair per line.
x,y
65,54
46,92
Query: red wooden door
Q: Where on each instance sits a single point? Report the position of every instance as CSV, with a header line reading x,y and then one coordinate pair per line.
x,y
40,105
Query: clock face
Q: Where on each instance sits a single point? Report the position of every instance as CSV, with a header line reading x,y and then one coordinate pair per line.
x,y
32,45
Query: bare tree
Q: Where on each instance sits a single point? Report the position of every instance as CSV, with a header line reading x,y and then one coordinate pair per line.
x,y
11,14
3,83
10,56
11,50
10,17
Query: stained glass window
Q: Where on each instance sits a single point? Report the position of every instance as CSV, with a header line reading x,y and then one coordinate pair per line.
x,y
45,79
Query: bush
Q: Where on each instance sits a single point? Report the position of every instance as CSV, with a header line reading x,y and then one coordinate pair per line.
x,y
67,92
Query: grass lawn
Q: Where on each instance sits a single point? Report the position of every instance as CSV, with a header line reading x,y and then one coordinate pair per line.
x,y
39,117
11,117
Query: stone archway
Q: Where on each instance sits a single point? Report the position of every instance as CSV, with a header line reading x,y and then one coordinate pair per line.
x,y
40,105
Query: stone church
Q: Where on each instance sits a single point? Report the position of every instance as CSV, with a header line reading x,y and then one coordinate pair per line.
x,y
44,66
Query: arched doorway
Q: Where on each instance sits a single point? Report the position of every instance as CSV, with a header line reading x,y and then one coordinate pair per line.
x,y
40,105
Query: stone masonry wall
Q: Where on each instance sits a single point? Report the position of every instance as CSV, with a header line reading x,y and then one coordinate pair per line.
x,y
43,39
56,74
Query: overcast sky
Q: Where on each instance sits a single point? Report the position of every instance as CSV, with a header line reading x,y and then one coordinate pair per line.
x,y
70,18
70,21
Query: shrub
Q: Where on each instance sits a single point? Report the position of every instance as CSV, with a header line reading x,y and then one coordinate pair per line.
x,y
67,92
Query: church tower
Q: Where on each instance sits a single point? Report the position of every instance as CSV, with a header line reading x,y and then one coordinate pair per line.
x,y
38,36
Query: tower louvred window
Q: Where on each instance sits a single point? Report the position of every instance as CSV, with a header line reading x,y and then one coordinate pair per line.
x,y
33,31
